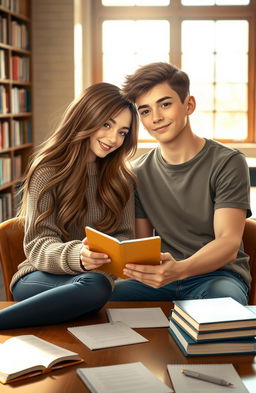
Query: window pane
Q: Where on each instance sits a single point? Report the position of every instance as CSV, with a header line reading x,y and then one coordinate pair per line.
x,y
125,48
202,123
215,2
198,37
135,2
218,73
232,68
232,36
204,95
231,125
232,97
199,71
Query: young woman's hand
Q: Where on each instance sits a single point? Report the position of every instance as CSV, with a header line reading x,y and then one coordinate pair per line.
x,y
92,260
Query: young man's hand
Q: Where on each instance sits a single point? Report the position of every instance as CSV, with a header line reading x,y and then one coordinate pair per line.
x,y
155,275
92,260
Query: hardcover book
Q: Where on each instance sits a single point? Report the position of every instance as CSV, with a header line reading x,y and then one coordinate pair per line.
x,y
215,314
191,347
141,251
211,335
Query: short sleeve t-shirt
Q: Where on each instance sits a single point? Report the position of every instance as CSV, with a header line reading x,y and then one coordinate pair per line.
x,y
180,200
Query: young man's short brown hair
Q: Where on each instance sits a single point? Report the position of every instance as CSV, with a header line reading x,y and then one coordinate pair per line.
x,y
150,75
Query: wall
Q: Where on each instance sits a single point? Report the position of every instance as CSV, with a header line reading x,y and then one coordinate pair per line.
x,y
53,62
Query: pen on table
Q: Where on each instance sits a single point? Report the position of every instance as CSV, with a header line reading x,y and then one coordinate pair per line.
x,y
207,378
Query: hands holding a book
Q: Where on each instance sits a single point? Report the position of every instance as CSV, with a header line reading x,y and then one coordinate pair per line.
x,y
92,260
155,275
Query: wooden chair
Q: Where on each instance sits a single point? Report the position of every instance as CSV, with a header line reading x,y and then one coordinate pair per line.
x,y
11,250
12,253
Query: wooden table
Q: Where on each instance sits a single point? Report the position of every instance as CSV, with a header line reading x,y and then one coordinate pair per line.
x,y
155,354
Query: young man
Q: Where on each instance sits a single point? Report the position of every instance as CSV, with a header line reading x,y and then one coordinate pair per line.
x,y
192,192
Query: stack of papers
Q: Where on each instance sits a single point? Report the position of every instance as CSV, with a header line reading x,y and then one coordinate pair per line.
x,y
150,317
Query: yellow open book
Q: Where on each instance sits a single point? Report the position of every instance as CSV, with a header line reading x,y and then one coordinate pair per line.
x,y
144,251
27,355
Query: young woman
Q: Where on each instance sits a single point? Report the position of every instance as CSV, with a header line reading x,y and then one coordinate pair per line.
x,y
78,177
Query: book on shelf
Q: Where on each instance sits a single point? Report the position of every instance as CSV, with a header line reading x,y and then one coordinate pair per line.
x,y
191,347
211,335
122,378
141,251
215,314
28,355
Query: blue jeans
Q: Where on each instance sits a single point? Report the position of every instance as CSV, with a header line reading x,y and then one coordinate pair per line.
x,y
220,283
45,298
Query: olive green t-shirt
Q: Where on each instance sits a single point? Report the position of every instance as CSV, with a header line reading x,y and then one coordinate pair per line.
x,y
180,200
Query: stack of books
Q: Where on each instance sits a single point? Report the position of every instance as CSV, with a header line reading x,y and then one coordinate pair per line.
x,y
213,326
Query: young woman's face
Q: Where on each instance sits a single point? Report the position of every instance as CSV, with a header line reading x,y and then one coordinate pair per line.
x,y
110,136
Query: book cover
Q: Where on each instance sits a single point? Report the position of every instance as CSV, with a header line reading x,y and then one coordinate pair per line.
x,y
190,347
28,355
141,251
215,314
211,335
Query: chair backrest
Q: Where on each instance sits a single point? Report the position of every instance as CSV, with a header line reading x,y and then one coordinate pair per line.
x,y
11,250
249,239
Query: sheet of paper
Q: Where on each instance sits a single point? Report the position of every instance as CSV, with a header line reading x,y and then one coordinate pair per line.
x,y
105,335
184,384
139,317
122,378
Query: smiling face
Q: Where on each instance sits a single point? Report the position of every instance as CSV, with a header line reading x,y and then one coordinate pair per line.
x,y
163,114
110,136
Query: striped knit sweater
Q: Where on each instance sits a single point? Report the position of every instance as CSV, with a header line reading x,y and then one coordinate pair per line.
x,y
46,251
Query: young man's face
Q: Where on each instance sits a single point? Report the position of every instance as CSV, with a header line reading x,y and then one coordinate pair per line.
x,y
162,113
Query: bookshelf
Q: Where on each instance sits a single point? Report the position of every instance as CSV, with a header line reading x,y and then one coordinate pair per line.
x,y
15,100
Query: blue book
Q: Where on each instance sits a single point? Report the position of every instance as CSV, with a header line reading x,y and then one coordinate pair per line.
x,y
191,347
211,334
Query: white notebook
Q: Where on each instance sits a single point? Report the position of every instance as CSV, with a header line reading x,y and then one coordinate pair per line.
x,y
150,317
184,384
122,378
105,335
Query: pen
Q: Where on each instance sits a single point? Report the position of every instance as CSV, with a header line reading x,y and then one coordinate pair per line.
x,y
207,378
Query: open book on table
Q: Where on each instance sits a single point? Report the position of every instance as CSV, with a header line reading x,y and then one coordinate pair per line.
x,y
25,356
144,251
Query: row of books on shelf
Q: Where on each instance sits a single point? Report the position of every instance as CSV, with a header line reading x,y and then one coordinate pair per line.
x,y
20,100
20,67
21,133
19,33
5,206
213,326
12,5
7,171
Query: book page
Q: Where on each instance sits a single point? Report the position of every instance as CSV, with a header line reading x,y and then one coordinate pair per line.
x,y
122,378
139,317
105,335
184,384
28,352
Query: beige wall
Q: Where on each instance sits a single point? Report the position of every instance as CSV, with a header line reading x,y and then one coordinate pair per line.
x,y
53,62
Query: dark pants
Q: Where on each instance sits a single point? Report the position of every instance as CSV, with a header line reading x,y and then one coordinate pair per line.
x,y
45,298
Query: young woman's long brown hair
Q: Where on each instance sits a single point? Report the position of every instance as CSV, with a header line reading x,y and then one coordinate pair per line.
x,y
66,151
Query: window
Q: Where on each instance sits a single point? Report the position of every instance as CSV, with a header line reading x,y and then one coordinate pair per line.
x,y
212,40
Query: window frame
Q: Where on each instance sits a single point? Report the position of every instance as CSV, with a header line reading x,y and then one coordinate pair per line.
x,y
175,13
